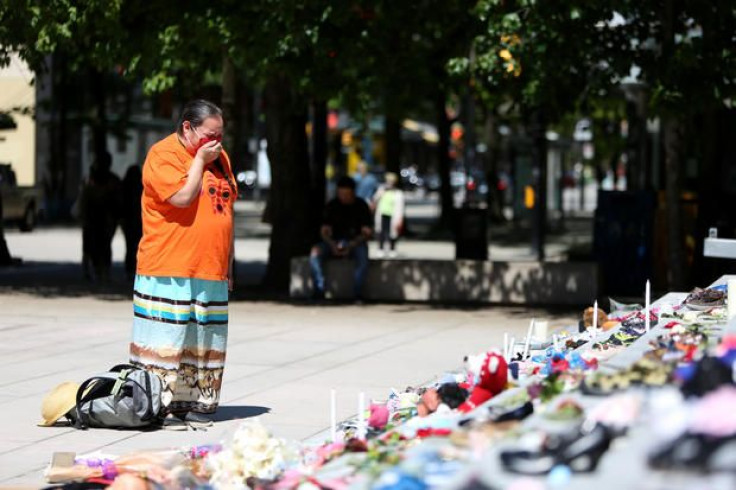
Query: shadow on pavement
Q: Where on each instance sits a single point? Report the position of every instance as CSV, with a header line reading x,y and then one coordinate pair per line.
x,y
235,412
65,279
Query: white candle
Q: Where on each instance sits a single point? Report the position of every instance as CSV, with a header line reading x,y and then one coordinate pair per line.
x,y
647,294
333,415
528,340
731,298
512,345
595,320
361,416
540,330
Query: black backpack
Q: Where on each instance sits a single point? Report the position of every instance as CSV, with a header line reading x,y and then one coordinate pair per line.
x,y
126,397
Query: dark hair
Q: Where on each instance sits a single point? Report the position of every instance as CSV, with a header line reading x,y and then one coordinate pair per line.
x,y
196,111
346,182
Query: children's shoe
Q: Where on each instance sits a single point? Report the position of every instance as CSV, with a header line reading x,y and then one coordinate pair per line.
x,y
172,422
198,420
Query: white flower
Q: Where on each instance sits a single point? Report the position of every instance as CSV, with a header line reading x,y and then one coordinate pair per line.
x,y
253,452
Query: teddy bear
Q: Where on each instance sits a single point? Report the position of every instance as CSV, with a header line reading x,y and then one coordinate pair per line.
x,y
487,377
603,322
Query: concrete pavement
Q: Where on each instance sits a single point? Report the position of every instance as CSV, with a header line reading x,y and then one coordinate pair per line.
x,y
282,359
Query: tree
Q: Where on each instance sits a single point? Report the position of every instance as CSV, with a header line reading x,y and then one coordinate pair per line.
x,y
543,58
81,42
682,49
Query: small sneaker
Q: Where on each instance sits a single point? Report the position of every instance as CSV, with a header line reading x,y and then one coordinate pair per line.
x,y
198,420
381,254
392,254
172,422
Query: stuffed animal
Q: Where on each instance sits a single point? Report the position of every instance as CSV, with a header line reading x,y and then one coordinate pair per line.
x,y
379,416
489,373
603,322
446,397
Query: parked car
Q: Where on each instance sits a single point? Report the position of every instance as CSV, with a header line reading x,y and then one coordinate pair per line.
x,y
21,204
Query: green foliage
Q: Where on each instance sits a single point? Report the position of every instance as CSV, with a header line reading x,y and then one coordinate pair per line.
x,y
560,55
87,33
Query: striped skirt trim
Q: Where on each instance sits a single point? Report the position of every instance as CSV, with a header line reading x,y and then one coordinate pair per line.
x,y
180,333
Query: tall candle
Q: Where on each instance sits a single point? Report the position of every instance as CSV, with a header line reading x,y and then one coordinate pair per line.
x,y
512,345
731,298
528,340
361,416
595,320
647,298
333,415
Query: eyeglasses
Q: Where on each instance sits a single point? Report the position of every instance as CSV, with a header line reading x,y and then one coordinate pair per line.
x,y
208,137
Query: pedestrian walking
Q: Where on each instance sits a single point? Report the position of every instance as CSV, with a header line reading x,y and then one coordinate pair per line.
x,y
366,183
185,262
389,216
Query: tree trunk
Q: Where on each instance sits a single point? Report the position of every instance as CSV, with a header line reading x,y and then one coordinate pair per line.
x,y
99,126
229,108
319,162
671,134
393,143
469,139
443,160
538,129
55,180
5,258
675,250
494,196
711,149
290,196
638,172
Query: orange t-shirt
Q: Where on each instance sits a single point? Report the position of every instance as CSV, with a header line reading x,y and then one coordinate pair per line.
x,y
185,242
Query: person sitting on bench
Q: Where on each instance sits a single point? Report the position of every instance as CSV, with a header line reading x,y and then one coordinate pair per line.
x,y
346,228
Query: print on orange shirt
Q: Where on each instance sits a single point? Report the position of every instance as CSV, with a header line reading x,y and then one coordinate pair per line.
x,y
219,192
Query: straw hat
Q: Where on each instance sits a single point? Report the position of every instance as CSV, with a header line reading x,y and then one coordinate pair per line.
x,y
58,402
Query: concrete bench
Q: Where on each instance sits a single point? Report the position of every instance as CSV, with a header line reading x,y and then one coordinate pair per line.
x,y
456,281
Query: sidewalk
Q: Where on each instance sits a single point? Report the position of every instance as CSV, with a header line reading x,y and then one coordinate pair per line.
x,y
282,359
282,362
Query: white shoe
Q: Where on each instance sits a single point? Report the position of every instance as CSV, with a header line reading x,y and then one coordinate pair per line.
x,y
392,254
381,254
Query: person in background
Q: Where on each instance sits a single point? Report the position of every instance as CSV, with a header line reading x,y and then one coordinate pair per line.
x,y
366,183
184,272
99,210
346,228
131,220
389,218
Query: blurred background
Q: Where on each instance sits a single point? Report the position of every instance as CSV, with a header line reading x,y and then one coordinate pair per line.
x,y
613,121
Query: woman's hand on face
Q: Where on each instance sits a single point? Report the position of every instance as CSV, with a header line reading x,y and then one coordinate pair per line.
x,y
210,151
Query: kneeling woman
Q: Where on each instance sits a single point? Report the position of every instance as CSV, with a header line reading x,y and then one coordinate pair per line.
x,y
185,263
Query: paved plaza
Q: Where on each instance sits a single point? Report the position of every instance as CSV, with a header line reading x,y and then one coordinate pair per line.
x,y
283,359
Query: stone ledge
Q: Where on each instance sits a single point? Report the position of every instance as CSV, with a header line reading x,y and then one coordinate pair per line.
x,y
457,281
